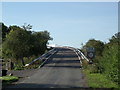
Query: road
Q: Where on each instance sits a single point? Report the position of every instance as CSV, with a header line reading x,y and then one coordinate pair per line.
x,y
62,70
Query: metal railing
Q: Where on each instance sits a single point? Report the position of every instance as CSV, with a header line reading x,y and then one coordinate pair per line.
x,y
82,55
44,56
79,53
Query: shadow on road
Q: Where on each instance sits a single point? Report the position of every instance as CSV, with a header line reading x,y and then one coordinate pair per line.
x,y
63,66
64,58
63,61
66,55
34,85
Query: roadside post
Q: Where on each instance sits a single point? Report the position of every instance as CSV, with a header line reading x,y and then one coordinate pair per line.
x,y
90,54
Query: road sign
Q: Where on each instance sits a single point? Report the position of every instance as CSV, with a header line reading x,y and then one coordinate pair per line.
x,y
90,49
90,55
90,52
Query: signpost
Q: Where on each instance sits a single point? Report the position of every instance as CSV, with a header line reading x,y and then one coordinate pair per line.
x,y
90,54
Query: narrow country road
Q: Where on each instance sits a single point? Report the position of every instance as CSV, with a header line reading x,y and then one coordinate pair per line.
x,y
62,70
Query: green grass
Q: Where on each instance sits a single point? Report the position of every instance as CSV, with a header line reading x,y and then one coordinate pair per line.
x,y
97,80
8,79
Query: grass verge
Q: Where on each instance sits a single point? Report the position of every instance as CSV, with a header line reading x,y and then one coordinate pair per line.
x,y
97,80
8,79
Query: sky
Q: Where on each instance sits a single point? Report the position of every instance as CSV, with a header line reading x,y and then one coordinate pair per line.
x,y
69,23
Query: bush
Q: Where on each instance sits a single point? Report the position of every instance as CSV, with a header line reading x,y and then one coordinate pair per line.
x,y
34,65
29,59
106,60
18,67
109,62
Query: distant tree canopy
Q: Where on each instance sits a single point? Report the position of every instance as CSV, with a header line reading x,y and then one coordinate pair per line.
x,y
27,27
20,42
97,44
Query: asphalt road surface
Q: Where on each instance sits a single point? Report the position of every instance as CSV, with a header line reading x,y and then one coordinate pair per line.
x,y
62,70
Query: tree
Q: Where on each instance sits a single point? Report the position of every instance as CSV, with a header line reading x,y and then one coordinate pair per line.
x,y
40,39
27,27
3,31
109,61
20,42
97,44
16,44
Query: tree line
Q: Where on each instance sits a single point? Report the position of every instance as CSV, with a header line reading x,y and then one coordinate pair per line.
x,y
106,59
19,42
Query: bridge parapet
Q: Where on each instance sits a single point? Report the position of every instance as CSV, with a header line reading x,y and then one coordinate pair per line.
x,y
44,56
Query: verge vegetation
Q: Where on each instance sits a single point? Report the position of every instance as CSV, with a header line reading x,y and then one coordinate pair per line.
x,y
103,73
8,79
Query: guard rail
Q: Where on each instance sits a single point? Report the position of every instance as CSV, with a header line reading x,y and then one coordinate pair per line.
x,y
44,56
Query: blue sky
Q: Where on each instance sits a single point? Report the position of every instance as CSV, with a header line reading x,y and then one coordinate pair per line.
x,y
69,23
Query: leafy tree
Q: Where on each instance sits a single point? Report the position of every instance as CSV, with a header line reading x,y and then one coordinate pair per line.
x,y
109,62
97,44
3,31
20,42
27,27
40,41
16,44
